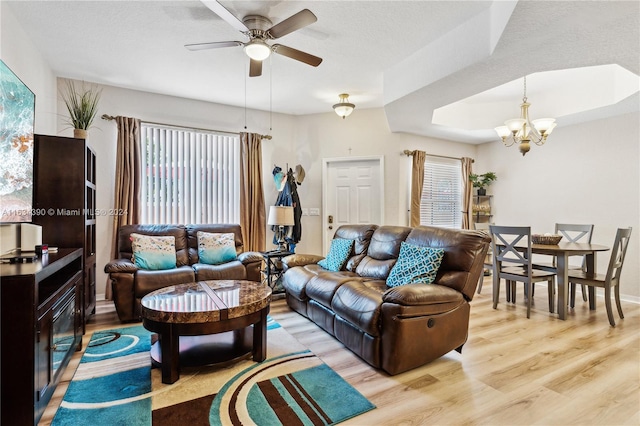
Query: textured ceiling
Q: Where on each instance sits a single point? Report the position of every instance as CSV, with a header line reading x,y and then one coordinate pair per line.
x,y
409,57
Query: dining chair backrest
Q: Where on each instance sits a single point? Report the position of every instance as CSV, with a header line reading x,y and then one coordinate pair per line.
x,y
575,233
618,253
511,244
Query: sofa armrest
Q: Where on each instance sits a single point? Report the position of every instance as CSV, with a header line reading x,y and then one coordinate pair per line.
x,y
120,265
300,260
250,257
422,295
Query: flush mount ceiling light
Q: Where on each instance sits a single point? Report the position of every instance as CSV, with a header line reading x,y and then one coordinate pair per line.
x,y
522,131
343,108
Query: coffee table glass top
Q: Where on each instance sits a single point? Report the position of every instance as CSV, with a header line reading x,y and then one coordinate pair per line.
x,y
205,301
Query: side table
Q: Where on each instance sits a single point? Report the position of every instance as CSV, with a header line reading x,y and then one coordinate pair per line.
x,y
273,270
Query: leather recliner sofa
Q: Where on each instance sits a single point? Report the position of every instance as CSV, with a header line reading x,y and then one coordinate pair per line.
x,y
397,328
130,283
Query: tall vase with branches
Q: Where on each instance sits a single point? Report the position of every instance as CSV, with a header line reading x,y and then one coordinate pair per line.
x,y
82,105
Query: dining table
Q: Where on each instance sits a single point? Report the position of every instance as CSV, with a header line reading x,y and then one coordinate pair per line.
x,y
562,251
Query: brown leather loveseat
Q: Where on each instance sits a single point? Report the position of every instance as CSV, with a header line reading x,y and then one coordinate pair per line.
x,y
397,328
130,283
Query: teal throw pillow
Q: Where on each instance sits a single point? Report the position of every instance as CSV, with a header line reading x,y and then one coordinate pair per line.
x,y
338,254
215,249
153,252
415,265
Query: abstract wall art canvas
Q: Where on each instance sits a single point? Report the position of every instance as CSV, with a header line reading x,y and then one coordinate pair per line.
x,y
17,113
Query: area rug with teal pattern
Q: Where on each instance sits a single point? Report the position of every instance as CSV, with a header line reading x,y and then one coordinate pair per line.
x,y
116,385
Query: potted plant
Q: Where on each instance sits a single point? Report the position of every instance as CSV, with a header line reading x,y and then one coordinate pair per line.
x,y
482,181
82,104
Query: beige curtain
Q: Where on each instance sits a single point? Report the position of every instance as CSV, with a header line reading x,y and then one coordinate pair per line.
x,y
252,206
127,182
467,189
417,180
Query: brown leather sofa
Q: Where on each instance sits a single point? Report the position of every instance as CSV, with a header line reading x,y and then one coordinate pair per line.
x,y
398,328
130,283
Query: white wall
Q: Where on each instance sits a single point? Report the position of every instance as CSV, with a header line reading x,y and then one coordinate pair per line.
x,y
19,53
586,173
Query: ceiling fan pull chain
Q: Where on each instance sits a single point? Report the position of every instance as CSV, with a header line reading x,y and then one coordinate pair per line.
x,y
245,97
270,94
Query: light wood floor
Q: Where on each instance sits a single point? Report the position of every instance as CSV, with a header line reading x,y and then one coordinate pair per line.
x,y
512,371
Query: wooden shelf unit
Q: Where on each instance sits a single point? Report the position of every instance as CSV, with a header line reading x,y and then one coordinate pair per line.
x,y
65,197
482,208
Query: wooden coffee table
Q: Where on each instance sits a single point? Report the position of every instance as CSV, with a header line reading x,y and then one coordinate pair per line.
x,y
206,322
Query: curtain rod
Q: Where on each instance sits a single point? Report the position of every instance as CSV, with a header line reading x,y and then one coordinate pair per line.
x,y
110,117
410,153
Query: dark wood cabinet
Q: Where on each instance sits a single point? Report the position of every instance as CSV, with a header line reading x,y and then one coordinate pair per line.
x,y
41,327
65,203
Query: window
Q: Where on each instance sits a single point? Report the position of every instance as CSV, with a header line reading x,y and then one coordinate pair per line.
x,y
441,201
189,176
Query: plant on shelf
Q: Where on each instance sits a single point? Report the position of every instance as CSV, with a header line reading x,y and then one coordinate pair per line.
x,y
82,104
482,181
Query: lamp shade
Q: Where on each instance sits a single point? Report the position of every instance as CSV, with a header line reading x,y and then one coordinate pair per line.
x,y
502,131
280,215
257,50
544,125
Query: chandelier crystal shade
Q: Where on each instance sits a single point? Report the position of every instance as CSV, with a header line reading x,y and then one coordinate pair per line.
x,y
343,108
523,131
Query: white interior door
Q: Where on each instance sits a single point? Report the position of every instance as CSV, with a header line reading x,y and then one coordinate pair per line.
x,y
352,193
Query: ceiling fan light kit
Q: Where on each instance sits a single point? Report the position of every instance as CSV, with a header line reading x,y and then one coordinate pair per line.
x,y
522,131
257,50
259,30
344,108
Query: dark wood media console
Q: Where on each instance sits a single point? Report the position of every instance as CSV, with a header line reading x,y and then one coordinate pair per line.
x,y
41,326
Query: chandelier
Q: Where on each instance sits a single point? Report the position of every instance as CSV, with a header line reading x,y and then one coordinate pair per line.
x,y
523,131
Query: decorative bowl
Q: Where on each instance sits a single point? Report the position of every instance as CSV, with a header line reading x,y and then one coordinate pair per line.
x,y
545,239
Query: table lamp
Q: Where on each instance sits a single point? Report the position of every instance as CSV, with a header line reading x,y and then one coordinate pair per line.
x,y
281,216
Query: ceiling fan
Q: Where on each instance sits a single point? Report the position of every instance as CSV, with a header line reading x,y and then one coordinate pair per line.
x,y
259,30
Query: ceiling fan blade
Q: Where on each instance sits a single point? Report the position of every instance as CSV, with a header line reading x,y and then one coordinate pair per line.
x,y
298,55
292,23
255,68
213,45
222,12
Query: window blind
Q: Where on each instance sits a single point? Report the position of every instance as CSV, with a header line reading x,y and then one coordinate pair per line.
x,y
441,199
189,176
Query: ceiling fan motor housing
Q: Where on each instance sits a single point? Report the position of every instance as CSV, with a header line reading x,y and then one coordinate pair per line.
x,y
257,23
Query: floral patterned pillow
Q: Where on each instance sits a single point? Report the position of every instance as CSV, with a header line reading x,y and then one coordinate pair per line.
x,y
214,248
153,252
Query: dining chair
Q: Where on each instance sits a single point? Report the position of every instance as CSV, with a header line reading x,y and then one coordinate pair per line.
x,y
488,260
571,233
609,280
512,262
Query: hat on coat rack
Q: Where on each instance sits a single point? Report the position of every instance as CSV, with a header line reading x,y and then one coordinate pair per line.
x,y
299,174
